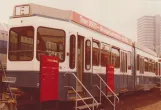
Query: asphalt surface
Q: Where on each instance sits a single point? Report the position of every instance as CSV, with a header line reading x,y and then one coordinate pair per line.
x,y
140,100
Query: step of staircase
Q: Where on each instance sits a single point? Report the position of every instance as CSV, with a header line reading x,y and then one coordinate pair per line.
x,y
85,106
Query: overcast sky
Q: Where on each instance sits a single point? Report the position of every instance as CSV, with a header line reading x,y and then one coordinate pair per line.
x,y
118,15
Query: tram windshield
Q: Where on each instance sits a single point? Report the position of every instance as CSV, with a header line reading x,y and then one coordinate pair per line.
x,y
50,42
21,43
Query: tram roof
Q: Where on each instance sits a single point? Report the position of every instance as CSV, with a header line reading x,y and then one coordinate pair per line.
x,y
145,49
68,15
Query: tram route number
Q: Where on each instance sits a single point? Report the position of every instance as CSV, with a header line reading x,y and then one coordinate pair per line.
x,y
9,79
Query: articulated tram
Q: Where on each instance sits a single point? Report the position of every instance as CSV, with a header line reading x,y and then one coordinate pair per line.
x,y
83,47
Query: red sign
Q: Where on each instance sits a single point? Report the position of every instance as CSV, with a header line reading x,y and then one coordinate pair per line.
x,y
49,75
110,77
82,20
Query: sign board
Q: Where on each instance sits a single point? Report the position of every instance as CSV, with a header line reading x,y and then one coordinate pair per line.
x,y
9,79
49,75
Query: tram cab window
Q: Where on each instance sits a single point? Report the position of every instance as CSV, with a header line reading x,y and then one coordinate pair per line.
x,y
105,54
21,43
115,57
88,54
72,51
96,53
51,42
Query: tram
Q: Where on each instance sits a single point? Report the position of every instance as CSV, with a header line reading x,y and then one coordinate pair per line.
x,y
84,48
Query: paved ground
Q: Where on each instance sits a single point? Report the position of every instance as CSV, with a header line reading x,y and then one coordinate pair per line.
x,y
141,100
150,100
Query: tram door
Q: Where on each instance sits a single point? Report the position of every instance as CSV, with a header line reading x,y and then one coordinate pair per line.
x,y
80,61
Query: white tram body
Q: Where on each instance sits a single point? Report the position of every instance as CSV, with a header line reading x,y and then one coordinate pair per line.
x,y
83,46
147,66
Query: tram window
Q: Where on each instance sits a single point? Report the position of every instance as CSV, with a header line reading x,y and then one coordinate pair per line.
x,y
153,66
3,47
72,52
150,66
105,54
156,71
122,62
159,69
141,66
125,62
143,63
88,54
138,58
21,43
51,42
96,52
115,57
129,60
146,64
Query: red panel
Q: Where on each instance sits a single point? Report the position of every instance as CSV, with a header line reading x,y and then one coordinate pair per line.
x,y
49,71
110,77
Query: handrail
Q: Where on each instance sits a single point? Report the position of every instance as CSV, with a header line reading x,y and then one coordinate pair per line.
x,y
105,95
78,96
107,86
83,87
6,76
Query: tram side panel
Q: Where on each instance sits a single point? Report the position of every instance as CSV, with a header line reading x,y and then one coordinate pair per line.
x,y
145,70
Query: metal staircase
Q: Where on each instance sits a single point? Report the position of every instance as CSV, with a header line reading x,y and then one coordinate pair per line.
x,y
79,97
5,76
101,92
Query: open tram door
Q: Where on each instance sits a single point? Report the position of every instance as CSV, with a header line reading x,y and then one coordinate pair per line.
x,y
84,60
80,61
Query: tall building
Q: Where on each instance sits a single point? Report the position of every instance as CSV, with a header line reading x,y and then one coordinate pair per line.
x,y
149,32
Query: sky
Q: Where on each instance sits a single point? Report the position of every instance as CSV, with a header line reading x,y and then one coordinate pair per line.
x,y
118,15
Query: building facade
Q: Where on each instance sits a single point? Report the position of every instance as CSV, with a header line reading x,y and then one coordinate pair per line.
x,y
149,32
